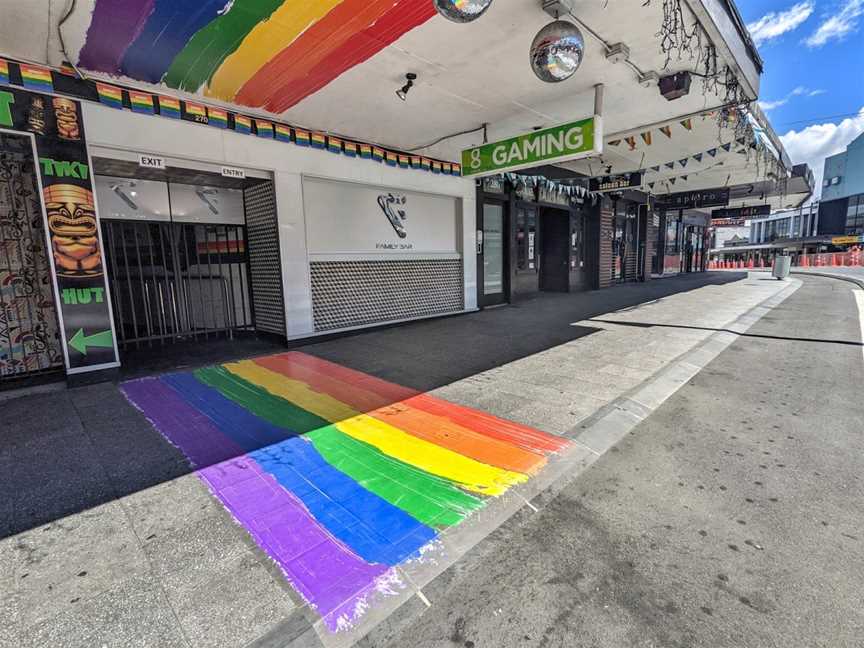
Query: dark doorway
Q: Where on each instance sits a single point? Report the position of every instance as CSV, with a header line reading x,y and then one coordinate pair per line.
x,y
555,255
492,267
580,261
642,237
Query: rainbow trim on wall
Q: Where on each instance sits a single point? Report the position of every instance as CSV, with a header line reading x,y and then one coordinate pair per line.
x,y
337,475
268,54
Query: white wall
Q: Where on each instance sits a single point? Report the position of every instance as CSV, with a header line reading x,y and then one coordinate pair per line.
x,y
122,134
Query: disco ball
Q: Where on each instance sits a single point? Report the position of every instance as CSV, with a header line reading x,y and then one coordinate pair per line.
x,y
557,51
462,11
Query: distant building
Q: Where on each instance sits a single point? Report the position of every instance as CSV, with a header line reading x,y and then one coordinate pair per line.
x,y
842,208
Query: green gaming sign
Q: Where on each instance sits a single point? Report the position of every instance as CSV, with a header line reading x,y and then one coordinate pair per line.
x,y
561,143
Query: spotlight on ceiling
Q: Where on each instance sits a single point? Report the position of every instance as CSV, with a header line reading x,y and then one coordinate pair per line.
x,y
462,11
402,92
675,86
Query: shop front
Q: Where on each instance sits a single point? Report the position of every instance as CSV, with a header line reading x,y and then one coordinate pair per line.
x,y
532,238
682,244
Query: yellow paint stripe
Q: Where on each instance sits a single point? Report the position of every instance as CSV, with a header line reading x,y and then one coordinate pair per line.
x,y
471,474
265,41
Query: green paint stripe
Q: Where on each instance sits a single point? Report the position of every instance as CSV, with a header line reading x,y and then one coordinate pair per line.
x,y
430,499
210,46
259,401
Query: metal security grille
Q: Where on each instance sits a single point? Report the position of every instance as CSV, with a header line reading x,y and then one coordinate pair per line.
x,y
265,269
174,281
354,293
29,331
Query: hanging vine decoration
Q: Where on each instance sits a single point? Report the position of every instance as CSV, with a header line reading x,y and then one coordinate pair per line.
x,y
675,39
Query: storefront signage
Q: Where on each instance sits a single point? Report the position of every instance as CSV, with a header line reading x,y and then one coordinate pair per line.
x,y
557,144
356,221
233,172
743,213
151,162
694,199
727,222
847,240
615,183
71,224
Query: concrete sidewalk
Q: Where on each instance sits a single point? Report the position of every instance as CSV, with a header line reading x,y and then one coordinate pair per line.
x,y
110,541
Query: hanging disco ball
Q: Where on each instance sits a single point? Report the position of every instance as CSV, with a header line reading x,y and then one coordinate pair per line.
x,y
462,11
557,51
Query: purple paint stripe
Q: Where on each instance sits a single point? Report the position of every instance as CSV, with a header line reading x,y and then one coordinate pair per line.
x,y
327,574
114,25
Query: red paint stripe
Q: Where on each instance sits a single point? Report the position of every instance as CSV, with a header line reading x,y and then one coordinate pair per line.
x,y
433,428
352,32
364,392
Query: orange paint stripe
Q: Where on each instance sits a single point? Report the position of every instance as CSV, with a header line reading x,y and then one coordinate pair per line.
x,y
433,428
308,63
365,392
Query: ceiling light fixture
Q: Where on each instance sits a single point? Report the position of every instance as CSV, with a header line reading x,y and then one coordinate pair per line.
x,y
402,92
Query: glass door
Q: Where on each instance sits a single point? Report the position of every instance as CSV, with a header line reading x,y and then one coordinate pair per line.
x,y
491,254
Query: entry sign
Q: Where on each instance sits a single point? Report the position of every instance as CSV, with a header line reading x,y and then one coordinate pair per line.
x,y
557,144
233,172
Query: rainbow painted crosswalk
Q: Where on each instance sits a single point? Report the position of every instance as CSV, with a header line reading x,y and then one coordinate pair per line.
x,y
338,476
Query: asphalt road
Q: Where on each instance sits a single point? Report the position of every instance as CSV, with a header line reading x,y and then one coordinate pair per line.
x,y
732,516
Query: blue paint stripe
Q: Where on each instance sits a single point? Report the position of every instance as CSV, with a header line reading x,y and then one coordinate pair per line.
x,y
169,27
370,526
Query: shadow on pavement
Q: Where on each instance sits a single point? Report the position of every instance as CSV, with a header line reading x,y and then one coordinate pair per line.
x,y
65,452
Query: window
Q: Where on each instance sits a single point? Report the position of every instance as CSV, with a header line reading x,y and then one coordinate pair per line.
x,y
526,238
855,215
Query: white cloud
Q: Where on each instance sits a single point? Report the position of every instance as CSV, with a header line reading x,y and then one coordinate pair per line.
x,y
814,143
775,24
800,91
839,25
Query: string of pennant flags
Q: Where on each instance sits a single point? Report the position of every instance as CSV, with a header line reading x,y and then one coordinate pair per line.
x,y
67,82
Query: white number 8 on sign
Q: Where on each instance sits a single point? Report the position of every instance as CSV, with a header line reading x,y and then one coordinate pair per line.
x,y
475,159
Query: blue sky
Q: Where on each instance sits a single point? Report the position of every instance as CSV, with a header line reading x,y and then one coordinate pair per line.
x,y
813,83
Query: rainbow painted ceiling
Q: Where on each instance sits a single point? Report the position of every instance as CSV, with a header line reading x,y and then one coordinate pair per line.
x,y
267,54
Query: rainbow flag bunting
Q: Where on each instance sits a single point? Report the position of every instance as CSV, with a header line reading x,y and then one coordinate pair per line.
x,y
36,77
169,107
142,102
390,158
67,69
242,124
338,476
365,151
404,161
334,144
349,148
264,128
301,137
415,162
110,95
318,140
196,111
377,154
217,117
456,169
4,71
425,164
445,167
436,166
283,133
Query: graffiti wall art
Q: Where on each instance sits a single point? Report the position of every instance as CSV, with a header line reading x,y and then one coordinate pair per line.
x,y
269,54
74,250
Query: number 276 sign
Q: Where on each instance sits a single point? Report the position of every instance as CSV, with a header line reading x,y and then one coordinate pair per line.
x,y
557,144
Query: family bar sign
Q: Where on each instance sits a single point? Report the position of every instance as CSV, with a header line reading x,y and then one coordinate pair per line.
x,y
570,141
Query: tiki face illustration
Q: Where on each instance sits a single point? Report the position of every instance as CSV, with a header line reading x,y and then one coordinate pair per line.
x,y
67,119
36,116
72,221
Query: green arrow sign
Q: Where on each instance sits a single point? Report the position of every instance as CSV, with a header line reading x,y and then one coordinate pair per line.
x,y
557,144
80,342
